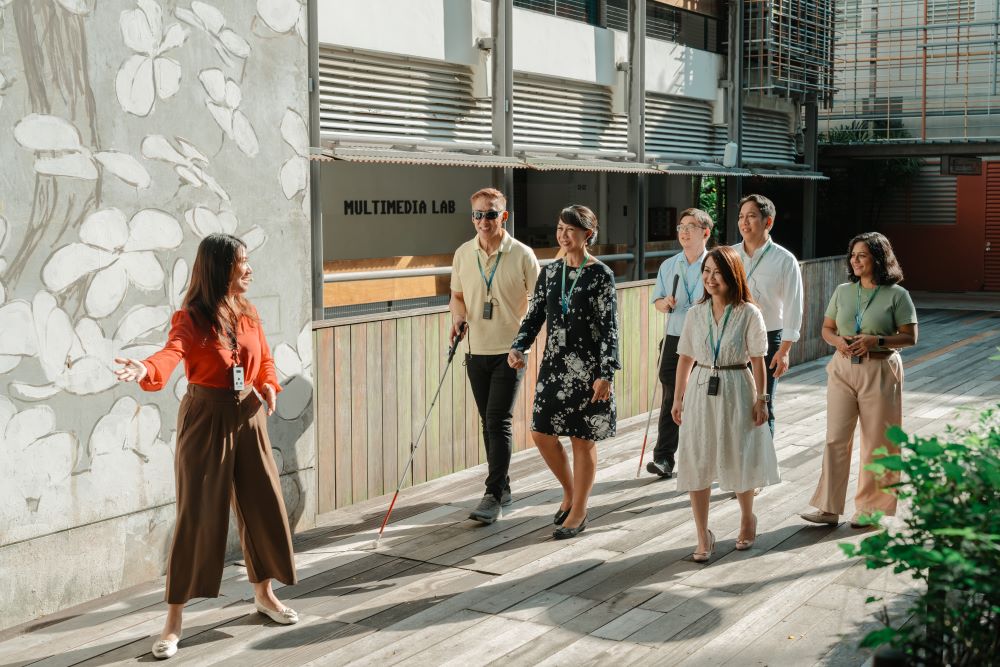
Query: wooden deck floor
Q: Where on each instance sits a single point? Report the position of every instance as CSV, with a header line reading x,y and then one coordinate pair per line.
x,y
442,590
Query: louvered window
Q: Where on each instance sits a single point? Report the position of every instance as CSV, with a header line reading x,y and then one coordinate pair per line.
x,y
681,129
767,138
567,115
384,96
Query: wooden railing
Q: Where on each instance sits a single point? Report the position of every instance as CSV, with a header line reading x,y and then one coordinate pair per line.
x,y
376,376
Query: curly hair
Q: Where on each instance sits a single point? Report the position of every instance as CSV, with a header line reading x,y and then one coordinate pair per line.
x,y
887,269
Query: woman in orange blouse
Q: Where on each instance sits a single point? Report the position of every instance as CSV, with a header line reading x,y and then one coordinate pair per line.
x,y
223,453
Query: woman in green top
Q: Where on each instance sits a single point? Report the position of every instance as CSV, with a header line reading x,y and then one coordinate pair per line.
x,y
868,319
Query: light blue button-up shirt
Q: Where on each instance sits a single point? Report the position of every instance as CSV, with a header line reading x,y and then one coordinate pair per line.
x,y
686,296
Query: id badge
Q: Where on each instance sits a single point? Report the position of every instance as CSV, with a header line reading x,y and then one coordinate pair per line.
x,y
488,310
713,385
238,383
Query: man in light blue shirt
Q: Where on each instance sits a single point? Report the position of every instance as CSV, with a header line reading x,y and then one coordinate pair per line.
x,y
693,232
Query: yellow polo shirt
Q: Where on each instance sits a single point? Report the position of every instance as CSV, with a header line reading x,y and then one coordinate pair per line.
x,y
513,283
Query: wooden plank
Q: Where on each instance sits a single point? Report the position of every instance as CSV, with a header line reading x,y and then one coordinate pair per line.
x,y
404,398
459,419
326,431
343,397
359,412
390,388
446,434
374,397
420,366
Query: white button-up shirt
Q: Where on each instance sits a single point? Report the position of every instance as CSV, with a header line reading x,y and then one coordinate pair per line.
x,y
677,265
776,285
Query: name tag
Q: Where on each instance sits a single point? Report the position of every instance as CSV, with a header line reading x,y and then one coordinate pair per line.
x,y
713,385
238,383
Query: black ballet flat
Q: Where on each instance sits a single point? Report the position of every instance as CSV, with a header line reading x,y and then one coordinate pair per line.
x,y
564,533
560,516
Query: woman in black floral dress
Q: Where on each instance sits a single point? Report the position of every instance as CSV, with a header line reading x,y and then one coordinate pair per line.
x,y
575,296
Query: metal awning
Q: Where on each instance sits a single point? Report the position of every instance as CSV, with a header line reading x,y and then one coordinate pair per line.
x,y
789,173
415,157
589,164
701,169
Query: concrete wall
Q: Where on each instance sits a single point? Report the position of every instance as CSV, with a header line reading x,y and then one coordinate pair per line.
x,y
129,129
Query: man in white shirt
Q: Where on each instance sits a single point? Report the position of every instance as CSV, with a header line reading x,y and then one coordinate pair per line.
x,y
776,285
492,277
693,232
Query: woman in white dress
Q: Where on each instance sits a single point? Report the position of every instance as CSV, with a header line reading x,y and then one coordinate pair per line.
x,y
719,404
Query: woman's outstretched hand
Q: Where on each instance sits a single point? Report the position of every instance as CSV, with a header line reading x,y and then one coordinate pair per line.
x,y
515,359
132,370
270,398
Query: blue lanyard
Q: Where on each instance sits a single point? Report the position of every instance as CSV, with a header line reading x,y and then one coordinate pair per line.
x,y
754,265
716,344
563,294
684,277
489,283
859,313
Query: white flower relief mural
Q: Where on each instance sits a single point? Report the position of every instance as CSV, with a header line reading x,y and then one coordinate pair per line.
x,y
294,366
229,45
149,74
60,152
223,103
188,162
116,254
294,172
204,221
284,16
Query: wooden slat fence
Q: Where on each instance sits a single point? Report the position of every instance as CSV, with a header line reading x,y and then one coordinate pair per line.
x,y
376,376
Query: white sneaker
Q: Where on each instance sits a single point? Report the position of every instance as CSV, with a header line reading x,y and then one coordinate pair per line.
x,y
165,648
286,616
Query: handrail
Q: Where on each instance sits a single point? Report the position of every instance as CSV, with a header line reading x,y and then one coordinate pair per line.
x,y
351,276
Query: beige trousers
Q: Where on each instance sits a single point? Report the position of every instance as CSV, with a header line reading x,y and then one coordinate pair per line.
x,y
872,393
224,458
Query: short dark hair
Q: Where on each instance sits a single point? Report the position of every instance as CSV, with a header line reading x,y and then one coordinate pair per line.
x,y
580,216
764,205
887,268
700,216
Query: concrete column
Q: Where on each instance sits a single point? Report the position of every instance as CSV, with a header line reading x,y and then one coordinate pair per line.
x,y
638,194
502,71
315,187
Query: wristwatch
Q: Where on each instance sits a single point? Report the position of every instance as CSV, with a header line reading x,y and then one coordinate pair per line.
x,y
763,397
880,341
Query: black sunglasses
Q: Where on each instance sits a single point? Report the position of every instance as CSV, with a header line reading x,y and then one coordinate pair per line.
x,y
489,215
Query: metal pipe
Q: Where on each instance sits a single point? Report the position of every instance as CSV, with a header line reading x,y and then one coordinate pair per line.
x,y
332,139
389,274
315,168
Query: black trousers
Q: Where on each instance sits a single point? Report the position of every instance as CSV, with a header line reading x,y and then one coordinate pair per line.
x,y
494,386
667,430
773,343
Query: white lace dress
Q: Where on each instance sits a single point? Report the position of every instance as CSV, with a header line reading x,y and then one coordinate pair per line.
x,y
718,440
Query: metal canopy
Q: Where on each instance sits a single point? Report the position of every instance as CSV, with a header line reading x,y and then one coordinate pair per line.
x,y
589,164
790,174
416,157
702,169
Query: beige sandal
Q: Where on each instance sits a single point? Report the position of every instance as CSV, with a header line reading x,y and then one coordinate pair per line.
x,y
704,556
744,544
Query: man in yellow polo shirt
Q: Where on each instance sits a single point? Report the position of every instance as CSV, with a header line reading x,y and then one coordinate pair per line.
x,y
492,277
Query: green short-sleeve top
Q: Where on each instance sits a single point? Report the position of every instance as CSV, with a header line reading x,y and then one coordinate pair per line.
x,y
891,307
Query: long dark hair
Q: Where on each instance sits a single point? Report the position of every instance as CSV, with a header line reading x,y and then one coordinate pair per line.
x,y
731,267
887,269
207,299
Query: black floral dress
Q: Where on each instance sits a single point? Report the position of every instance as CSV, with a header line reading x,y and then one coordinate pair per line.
x,y
581,346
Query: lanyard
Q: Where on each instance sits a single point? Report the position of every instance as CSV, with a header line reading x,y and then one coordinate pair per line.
x,y
684,277
489,282
563,294
859,313
754,265
716,344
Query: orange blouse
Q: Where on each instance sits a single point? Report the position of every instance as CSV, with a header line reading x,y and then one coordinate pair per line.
x,y
206,360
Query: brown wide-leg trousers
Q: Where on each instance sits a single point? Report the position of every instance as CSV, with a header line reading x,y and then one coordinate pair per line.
x,y
871,391
224,457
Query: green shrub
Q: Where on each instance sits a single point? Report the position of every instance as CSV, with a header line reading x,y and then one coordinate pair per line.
x,y
951,542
